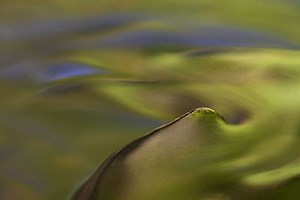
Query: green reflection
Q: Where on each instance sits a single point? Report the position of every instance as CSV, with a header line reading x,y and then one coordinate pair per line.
x,y
55,133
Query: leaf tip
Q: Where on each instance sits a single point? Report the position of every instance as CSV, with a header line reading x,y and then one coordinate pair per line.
x,y
200,112
204,112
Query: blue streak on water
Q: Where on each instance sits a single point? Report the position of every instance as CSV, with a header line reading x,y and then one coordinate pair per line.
x,y
69,70
51,72
66,26
202,36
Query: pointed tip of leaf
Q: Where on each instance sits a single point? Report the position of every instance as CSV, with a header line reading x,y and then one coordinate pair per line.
x,y
202,111
206,113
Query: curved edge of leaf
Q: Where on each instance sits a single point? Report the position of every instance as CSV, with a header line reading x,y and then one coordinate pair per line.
x,y
87,191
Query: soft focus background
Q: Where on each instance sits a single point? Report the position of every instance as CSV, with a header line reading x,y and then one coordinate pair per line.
x,y
79,79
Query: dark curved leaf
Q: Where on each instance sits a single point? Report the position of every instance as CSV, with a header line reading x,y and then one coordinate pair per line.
x,y
156,159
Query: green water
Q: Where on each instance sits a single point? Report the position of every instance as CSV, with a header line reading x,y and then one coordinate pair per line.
x,y
80,79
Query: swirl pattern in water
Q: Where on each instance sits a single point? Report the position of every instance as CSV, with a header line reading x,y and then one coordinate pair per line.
x,y
78,86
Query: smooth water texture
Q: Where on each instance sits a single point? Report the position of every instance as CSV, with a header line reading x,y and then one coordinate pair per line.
x,y
80,80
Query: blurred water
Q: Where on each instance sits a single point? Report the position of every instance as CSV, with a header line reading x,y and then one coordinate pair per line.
x,y
76,88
